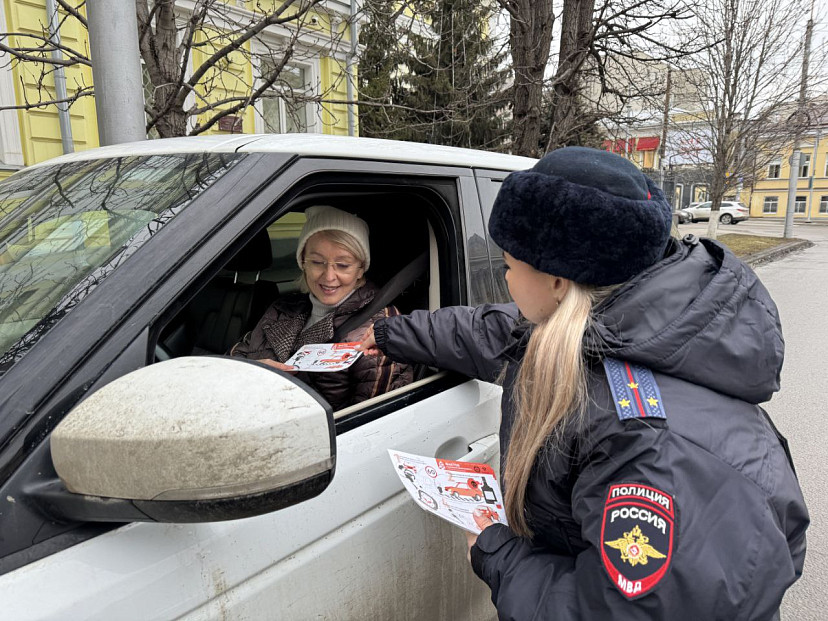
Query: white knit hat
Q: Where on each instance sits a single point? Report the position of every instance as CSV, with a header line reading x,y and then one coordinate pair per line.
x,y
326,218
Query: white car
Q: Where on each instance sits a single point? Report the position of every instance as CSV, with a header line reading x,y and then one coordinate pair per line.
x,y
146,476
730,212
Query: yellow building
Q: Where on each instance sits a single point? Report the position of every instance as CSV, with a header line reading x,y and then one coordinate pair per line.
x,y
317,67
769,197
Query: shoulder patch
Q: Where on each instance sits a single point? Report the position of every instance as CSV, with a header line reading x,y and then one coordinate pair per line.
x,y
637,537
634,390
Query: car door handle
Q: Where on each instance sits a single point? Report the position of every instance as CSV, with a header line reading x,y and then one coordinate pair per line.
x,y
483,450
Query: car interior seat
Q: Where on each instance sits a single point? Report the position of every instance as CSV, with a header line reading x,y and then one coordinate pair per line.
x,y
236,299
227,307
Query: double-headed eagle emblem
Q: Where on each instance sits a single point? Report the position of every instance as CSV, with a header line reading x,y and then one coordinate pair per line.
x,y
635,547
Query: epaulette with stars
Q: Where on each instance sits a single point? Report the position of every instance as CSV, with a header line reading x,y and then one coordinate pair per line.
x,y
634,390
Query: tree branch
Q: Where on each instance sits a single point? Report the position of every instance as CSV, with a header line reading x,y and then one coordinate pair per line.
x,y
74,11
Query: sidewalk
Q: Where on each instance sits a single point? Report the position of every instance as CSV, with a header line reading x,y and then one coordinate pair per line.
x,y
797,221
771,254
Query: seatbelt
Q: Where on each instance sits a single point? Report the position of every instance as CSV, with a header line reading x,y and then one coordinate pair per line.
x,y
393,288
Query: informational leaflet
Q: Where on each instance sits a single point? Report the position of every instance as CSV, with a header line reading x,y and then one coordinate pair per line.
x,y
451,489
325,357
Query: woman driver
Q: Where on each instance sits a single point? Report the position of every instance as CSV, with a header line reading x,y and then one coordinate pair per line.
x,y
334,254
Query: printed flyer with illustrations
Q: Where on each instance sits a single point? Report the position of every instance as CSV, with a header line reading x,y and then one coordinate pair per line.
x,y
451,489
324,357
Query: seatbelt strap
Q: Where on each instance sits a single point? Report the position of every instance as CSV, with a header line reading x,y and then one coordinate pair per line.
x,y
393,288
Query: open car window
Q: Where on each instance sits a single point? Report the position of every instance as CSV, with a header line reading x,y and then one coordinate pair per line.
x,y
404,225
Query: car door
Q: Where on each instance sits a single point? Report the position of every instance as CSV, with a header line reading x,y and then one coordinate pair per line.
x,y
361,549
702,212
488,184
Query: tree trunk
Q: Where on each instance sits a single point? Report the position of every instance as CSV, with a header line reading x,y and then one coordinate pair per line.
x,y
172,123
576,37
530,37
159,50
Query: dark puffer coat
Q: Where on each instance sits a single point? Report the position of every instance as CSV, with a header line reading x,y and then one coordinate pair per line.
x,y
281,332
697,515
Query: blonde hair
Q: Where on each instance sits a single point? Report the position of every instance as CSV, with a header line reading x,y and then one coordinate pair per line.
x,y
343,240
551,389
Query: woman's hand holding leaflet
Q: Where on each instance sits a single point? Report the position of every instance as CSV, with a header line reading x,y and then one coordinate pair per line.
x,y
278,365
483,522
368,345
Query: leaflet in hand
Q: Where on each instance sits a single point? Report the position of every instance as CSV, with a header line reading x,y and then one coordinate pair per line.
x,y
325,357
451,489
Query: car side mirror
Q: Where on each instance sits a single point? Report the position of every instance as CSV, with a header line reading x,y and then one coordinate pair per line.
x,y
192,439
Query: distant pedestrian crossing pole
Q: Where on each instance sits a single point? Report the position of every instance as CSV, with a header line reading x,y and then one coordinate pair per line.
x,y
796,157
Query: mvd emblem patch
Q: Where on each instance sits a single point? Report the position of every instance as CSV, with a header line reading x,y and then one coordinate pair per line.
x,y
634,390
637,536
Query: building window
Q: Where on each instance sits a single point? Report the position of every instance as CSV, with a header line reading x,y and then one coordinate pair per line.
x,y
823,204
805,165
677,195
699,194
774,168
770,204
283,110
799,204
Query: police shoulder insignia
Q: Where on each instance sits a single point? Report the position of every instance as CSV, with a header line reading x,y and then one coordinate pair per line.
x,y
637,536
634,390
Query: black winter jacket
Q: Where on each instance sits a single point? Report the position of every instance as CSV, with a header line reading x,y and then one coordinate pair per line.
x,y
694,516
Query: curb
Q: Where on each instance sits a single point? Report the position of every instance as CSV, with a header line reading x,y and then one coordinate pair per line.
x,y
777,252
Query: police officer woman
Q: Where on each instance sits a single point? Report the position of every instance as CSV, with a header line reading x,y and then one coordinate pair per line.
x,y
642,479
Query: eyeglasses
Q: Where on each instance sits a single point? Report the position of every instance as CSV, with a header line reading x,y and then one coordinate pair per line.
x,y
343,269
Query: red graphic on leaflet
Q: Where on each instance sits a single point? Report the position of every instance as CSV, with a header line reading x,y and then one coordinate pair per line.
x,y
324,357
462,488
465,466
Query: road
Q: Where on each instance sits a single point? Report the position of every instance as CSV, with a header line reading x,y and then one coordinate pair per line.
x,y
799,285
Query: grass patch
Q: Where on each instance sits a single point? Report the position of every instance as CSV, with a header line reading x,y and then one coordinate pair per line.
x,y
745,245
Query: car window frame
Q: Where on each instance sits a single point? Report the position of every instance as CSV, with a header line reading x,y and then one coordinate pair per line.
x,y
487,192
307,172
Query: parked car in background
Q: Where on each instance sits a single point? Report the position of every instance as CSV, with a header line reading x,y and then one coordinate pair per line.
x,y
683,213
730,212
144,475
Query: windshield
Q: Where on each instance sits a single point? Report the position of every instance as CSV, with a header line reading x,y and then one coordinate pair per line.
x,y
64,228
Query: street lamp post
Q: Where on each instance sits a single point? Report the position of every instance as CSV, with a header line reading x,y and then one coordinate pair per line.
x,y
116,70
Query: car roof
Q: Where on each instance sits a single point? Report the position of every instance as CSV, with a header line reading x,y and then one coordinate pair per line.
x,y
308,145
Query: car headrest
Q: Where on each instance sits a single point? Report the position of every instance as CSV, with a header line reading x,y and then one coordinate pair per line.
x,y
254,257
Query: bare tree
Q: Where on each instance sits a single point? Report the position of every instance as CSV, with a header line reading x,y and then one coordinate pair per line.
x,y
194,58
530,40
742,82
594,34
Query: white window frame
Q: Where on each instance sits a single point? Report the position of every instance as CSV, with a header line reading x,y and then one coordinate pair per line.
x,y
695,187
770,200
775,165
804,165
800,205
823,203
11,146
312,74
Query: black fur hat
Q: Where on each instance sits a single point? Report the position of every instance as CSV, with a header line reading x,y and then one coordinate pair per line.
x,y
586,215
